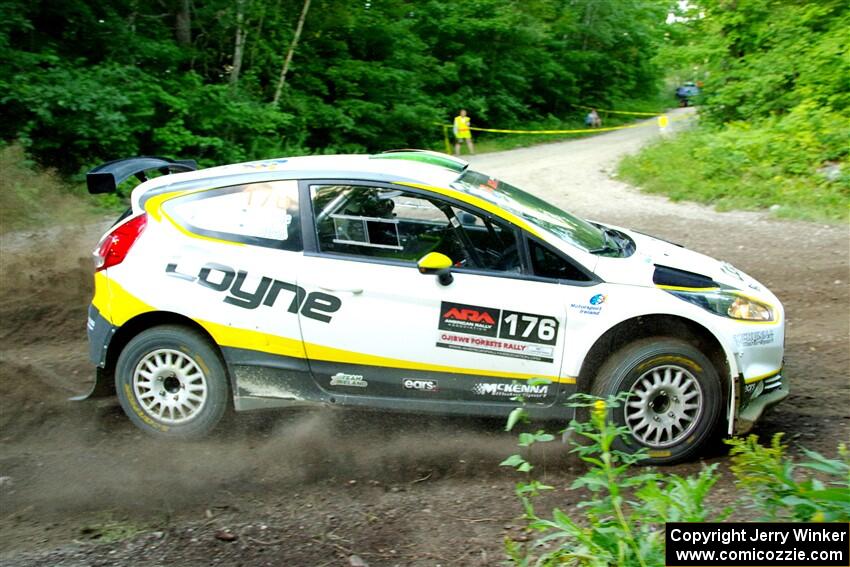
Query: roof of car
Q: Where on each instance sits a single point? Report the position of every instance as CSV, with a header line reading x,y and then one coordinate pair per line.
x,y
428,168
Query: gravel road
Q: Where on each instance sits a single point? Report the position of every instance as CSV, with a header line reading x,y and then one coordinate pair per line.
x,y
80,486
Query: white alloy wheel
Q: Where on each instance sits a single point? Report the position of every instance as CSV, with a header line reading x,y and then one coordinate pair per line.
x,y
664,406
172,382
170,386
673,398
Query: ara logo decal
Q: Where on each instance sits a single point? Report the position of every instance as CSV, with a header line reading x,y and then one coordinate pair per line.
x,y
218,277
472,319
469,315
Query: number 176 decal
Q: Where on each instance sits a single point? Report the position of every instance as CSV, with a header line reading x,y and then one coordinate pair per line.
x,y
474,328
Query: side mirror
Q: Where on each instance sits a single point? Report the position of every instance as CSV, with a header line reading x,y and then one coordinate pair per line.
x,y
438,264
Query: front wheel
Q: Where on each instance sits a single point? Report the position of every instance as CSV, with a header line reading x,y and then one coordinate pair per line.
x,y
172,383
675,401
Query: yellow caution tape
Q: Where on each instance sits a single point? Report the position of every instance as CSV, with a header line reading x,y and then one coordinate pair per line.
x,y
662,122
582,131
630,112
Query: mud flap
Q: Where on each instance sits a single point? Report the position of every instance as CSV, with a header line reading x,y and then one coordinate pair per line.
x,y
103,387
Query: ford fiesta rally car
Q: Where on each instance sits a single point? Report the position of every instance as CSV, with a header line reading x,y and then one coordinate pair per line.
x,y
407,281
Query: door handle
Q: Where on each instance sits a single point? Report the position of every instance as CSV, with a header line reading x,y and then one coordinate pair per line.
x,y
352,290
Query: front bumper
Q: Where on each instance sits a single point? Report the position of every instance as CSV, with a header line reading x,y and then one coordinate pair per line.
x,y
765,394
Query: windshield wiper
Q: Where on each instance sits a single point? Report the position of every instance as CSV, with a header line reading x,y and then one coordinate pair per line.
x,y
611,242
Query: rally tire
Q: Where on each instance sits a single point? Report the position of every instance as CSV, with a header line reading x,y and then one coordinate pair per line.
x,y
675,405
172,383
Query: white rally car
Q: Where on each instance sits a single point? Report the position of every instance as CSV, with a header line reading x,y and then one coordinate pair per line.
x,y
406,281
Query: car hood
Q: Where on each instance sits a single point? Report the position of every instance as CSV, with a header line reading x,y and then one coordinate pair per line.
x,y
638,269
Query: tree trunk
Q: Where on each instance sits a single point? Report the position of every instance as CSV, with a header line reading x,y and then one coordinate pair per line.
x,y
291,52
239,47
184,24
588,22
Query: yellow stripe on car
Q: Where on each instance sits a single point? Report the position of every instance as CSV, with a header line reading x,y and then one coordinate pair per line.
x,y
191,234
114,302
227,336
154,208
762,377
681,288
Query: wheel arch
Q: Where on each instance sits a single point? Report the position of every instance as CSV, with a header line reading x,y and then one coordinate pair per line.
x,y
650,325
136,325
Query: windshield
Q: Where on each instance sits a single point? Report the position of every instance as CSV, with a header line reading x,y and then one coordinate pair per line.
x,y
535,211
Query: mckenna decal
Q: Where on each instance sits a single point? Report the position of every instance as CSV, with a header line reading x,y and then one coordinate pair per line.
x,y
593,305
755,338
421,385
218,277
341,379
505,390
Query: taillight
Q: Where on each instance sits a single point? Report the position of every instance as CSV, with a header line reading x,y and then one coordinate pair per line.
x,y
113,248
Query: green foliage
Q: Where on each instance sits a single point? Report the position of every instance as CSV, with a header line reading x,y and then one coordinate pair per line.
x,y
621,520
794,161
85,81
31,198
771,482
775,108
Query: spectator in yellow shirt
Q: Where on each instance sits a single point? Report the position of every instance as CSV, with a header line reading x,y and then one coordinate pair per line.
x,y
462,132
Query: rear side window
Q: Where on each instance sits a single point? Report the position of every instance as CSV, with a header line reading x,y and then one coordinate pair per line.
x,y
262,214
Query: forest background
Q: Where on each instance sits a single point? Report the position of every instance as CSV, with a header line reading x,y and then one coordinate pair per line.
x,y
84,82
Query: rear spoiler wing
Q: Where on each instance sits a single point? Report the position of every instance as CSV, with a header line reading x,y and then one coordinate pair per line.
x,y
106,177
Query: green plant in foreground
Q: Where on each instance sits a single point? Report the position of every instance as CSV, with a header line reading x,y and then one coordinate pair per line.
x,y
768,478
623,520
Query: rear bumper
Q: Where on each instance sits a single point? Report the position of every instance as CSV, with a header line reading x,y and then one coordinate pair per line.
x,y
771,391
100,332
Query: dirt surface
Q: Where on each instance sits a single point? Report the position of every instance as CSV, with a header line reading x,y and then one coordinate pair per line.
x,y
80,486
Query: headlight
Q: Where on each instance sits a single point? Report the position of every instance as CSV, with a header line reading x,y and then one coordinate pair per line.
x,y
728,304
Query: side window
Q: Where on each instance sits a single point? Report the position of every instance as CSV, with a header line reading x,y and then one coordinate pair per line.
x,y
547,264
395,224
493,246
262,214
380,223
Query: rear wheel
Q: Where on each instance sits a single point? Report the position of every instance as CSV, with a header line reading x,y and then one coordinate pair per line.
x,y
172,383
675,401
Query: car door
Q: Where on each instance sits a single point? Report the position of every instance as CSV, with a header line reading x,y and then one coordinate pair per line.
x,y
401,337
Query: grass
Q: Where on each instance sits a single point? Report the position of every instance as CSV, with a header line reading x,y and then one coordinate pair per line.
x,y
793,170
31,197
110,530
